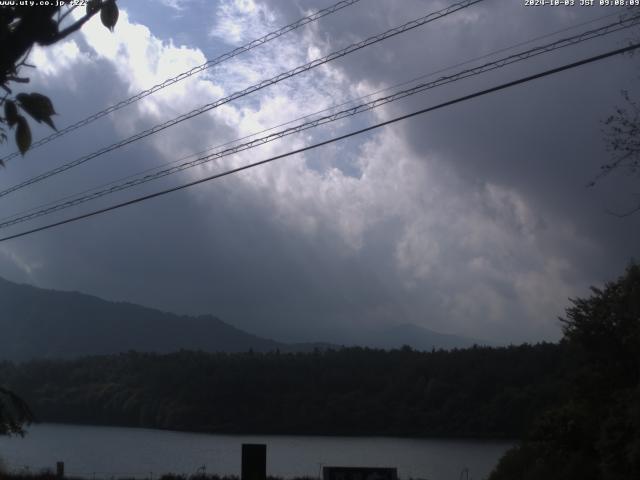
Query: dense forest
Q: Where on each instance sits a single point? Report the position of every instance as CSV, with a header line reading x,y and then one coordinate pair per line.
x,y
594,434
576,404
479,392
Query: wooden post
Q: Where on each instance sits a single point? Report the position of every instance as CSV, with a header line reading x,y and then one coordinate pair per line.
x,y
254,461
59,469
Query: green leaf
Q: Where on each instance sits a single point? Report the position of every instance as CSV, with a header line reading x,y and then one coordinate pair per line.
x,y
23,135
93,6
38,106
109,14
10,112
38,103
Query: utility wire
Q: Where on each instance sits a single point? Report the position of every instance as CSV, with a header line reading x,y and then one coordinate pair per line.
x,y
363,107
330,108
265,83
195,70
289,122
332,140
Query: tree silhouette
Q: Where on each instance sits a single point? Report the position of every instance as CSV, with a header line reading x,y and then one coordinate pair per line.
x,y
21,28
14,413
622,135
595,434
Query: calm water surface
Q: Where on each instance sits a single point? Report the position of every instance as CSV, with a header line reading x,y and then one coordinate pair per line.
x,y
104,452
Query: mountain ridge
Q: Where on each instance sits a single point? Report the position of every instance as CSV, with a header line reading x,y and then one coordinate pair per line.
x,y
43,323
38,323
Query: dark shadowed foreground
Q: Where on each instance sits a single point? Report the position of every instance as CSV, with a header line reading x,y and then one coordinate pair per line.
x,y
52,476
145,453
595,432
477,392
576,404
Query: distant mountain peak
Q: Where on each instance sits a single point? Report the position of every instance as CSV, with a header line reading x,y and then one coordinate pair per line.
x,y
42,323
37,323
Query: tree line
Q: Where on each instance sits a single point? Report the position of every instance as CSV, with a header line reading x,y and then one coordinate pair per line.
x,y
575,405
476,392
594,433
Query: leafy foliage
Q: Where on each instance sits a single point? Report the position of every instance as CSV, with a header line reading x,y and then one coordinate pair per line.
x,y
622,137
595,434
22,27
109,14
38,106
14,413
623,140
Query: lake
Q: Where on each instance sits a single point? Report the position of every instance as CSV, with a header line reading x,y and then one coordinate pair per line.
x,y
105,452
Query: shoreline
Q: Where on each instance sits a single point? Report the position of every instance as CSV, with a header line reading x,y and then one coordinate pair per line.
x,y
452,438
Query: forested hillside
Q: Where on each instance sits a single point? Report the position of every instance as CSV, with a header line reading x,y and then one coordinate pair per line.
x,y
480,392
39,323
594,434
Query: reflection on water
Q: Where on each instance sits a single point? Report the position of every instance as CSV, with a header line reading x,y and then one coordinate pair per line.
x,y
113,451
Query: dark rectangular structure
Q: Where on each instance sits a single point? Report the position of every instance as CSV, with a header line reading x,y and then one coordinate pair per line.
x,y
359,473
254,461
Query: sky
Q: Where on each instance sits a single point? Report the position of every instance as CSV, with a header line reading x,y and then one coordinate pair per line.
x,y
474,219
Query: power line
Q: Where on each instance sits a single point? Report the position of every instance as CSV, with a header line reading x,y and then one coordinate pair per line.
x,y
332,140
265,83
332,107
363,107
195,70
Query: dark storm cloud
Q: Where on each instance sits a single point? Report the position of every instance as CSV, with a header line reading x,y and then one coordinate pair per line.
x,y
543,139
225,256
482,228
217,250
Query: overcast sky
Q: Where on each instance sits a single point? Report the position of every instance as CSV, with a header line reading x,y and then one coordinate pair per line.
x,y
474,219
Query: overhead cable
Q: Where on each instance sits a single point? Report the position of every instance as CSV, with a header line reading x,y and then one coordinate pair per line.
x,y
363,107
309,115
254,88
195,70
464,98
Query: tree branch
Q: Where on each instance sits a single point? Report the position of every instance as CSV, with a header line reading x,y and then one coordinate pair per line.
x,y
624,214
71,28
11,78
71,9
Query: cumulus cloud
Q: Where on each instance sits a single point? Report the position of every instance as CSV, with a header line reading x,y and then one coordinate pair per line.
x,y
178,5
444,221
240,21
